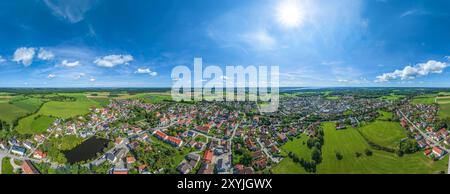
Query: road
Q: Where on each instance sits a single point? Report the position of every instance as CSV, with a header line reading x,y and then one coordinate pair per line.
x,y
436,143
5,154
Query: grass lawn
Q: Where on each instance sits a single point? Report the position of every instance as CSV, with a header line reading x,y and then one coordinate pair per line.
x,y
349,141
29,104
9,112
384,133
392,97
149,97
444,110
384,116
287,165
102,101
67,109
332,97
7,168
36,124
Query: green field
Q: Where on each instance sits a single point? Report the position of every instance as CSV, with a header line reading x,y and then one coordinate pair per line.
x,y
384,116
68,109
7,168
297,146
9,112
40,121
150,97
392,97
384,133
424,99
350,141
102,101
444,110
29,104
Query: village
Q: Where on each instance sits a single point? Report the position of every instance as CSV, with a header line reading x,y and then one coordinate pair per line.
x,y
208,137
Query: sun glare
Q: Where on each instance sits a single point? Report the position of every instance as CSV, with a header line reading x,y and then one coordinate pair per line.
x,y
289,13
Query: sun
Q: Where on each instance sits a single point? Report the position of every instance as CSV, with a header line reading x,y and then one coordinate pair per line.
x,y
289,13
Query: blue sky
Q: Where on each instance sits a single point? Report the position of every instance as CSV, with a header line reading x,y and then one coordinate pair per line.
x,y
136,43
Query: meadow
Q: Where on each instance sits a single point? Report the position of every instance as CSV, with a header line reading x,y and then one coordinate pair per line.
x,y
392,97
424,99
384,133
7,168
15,108
297,146
40,121
349,141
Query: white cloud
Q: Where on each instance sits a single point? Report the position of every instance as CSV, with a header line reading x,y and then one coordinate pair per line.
x,y
146,71
411,72
66,63
71,10
353,81
50,76
331,63
45,54
92,80
79,76
113,60
413,12
24,55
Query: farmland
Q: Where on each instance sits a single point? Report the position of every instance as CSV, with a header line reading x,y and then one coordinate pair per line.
x,y
349,142
384,133
297,146
424,99
39,122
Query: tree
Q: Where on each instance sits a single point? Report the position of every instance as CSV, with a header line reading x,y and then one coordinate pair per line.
x,y
246,159
316,155
339,156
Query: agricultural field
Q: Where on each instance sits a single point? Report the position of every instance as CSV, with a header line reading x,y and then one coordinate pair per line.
x,y
444,110
385,116
299,147
40,121
149,97
13,109
424,99
392,97
348,142
384,133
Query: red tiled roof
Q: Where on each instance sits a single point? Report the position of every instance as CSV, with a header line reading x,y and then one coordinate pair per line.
x,y
208,155
28,168
120,172
437,150
161,134
131,160
174,140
